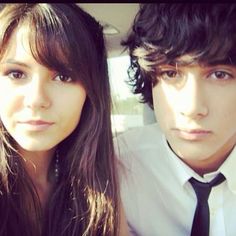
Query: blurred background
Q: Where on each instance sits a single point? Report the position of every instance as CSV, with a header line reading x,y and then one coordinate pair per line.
x,y
127,111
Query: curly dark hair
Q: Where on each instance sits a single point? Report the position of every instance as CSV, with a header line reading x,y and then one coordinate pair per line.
x,y
163,32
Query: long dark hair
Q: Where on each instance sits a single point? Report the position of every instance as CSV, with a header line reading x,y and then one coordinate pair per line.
x,y
84,201
163,32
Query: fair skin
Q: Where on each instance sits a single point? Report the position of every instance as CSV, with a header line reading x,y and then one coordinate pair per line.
x,y
38,107
30,92
195,107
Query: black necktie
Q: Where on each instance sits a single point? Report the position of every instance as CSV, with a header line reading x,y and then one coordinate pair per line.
x,y
201,219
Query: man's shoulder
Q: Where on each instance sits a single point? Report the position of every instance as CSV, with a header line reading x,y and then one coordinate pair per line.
x,y
135,139
151,129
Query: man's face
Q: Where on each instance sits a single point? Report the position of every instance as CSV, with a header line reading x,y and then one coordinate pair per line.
x,y
196,109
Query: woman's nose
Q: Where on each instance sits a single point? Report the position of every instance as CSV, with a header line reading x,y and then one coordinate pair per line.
x,y
36,96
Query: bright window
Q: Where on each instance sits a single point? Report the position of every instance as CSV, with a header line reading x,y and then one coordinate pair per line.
x,y
127,112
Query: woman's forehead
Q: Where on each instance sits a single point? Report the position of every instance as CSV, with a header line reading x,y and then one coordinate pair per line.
x,y
18,41
24,45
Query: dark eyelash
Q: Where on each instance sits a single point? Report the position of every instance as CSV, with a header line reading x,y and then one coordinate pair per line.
x,y
68,76
7,72
14,74
230,75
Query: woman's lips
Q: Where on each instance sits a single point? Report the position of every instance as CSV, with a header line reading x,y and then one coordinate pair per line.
x,y
36,125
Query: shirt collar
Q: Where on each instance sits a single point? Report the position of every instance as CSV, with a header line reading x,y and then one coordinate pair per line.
x,y
228,170
184,172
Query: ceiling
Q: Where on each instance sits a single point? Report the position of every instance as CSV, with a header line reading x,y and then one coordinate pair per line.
x,y
119,15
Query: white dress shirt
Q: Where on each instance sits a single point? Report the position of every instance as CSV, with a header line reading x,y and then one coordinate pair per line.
x,y
157,197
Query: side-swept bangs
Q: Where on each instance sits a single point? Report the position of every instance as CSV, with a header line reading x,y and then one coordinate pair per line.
x,y
58,36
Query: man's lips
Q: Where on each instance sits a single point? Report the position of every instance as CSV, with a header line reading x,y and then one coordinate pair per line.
x,y
192,134
195,131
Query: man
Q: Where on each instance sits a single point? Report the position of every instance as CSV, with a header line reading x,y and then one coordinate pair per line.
x,y
183,63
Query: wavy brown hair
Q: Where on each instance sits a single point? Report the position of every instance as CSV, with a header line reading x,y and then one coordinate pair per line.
x,y
84,200
163,32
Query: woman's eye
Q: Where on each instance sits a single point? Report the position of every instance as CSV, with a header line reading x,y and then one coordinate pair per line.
x,y
15,75
63,78
221,75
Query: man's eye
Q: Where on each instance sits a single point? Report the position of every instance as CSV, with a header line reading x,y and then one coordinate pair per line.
x,y
221,75
168,74
63,78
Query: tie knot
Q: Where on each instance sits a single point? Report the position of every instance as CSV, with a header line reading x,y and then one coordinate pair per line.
x,y
203,190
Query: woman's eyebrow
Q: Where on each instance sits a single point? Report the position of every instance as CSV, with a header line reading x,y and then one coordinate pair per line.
x,y
15,62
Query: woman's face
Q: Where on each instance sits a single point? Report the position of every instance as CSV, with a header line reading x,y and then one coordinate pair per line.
x,y
38,107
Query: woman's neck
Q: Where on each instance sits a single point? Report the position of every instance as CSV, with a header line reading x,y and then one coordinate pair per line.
x,y
37,166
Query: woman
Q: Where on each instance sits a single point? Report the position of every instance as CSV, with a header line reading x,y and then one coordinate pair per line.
x,y
58,171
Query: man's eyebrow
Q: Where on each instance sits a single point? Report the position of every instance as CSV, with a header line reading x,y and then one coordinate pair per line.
x,y
170,63
226,61
179,62
15,62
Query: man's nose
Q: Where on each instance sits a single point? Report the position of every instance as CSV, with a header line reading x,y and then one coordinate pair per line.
x,y
192,98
